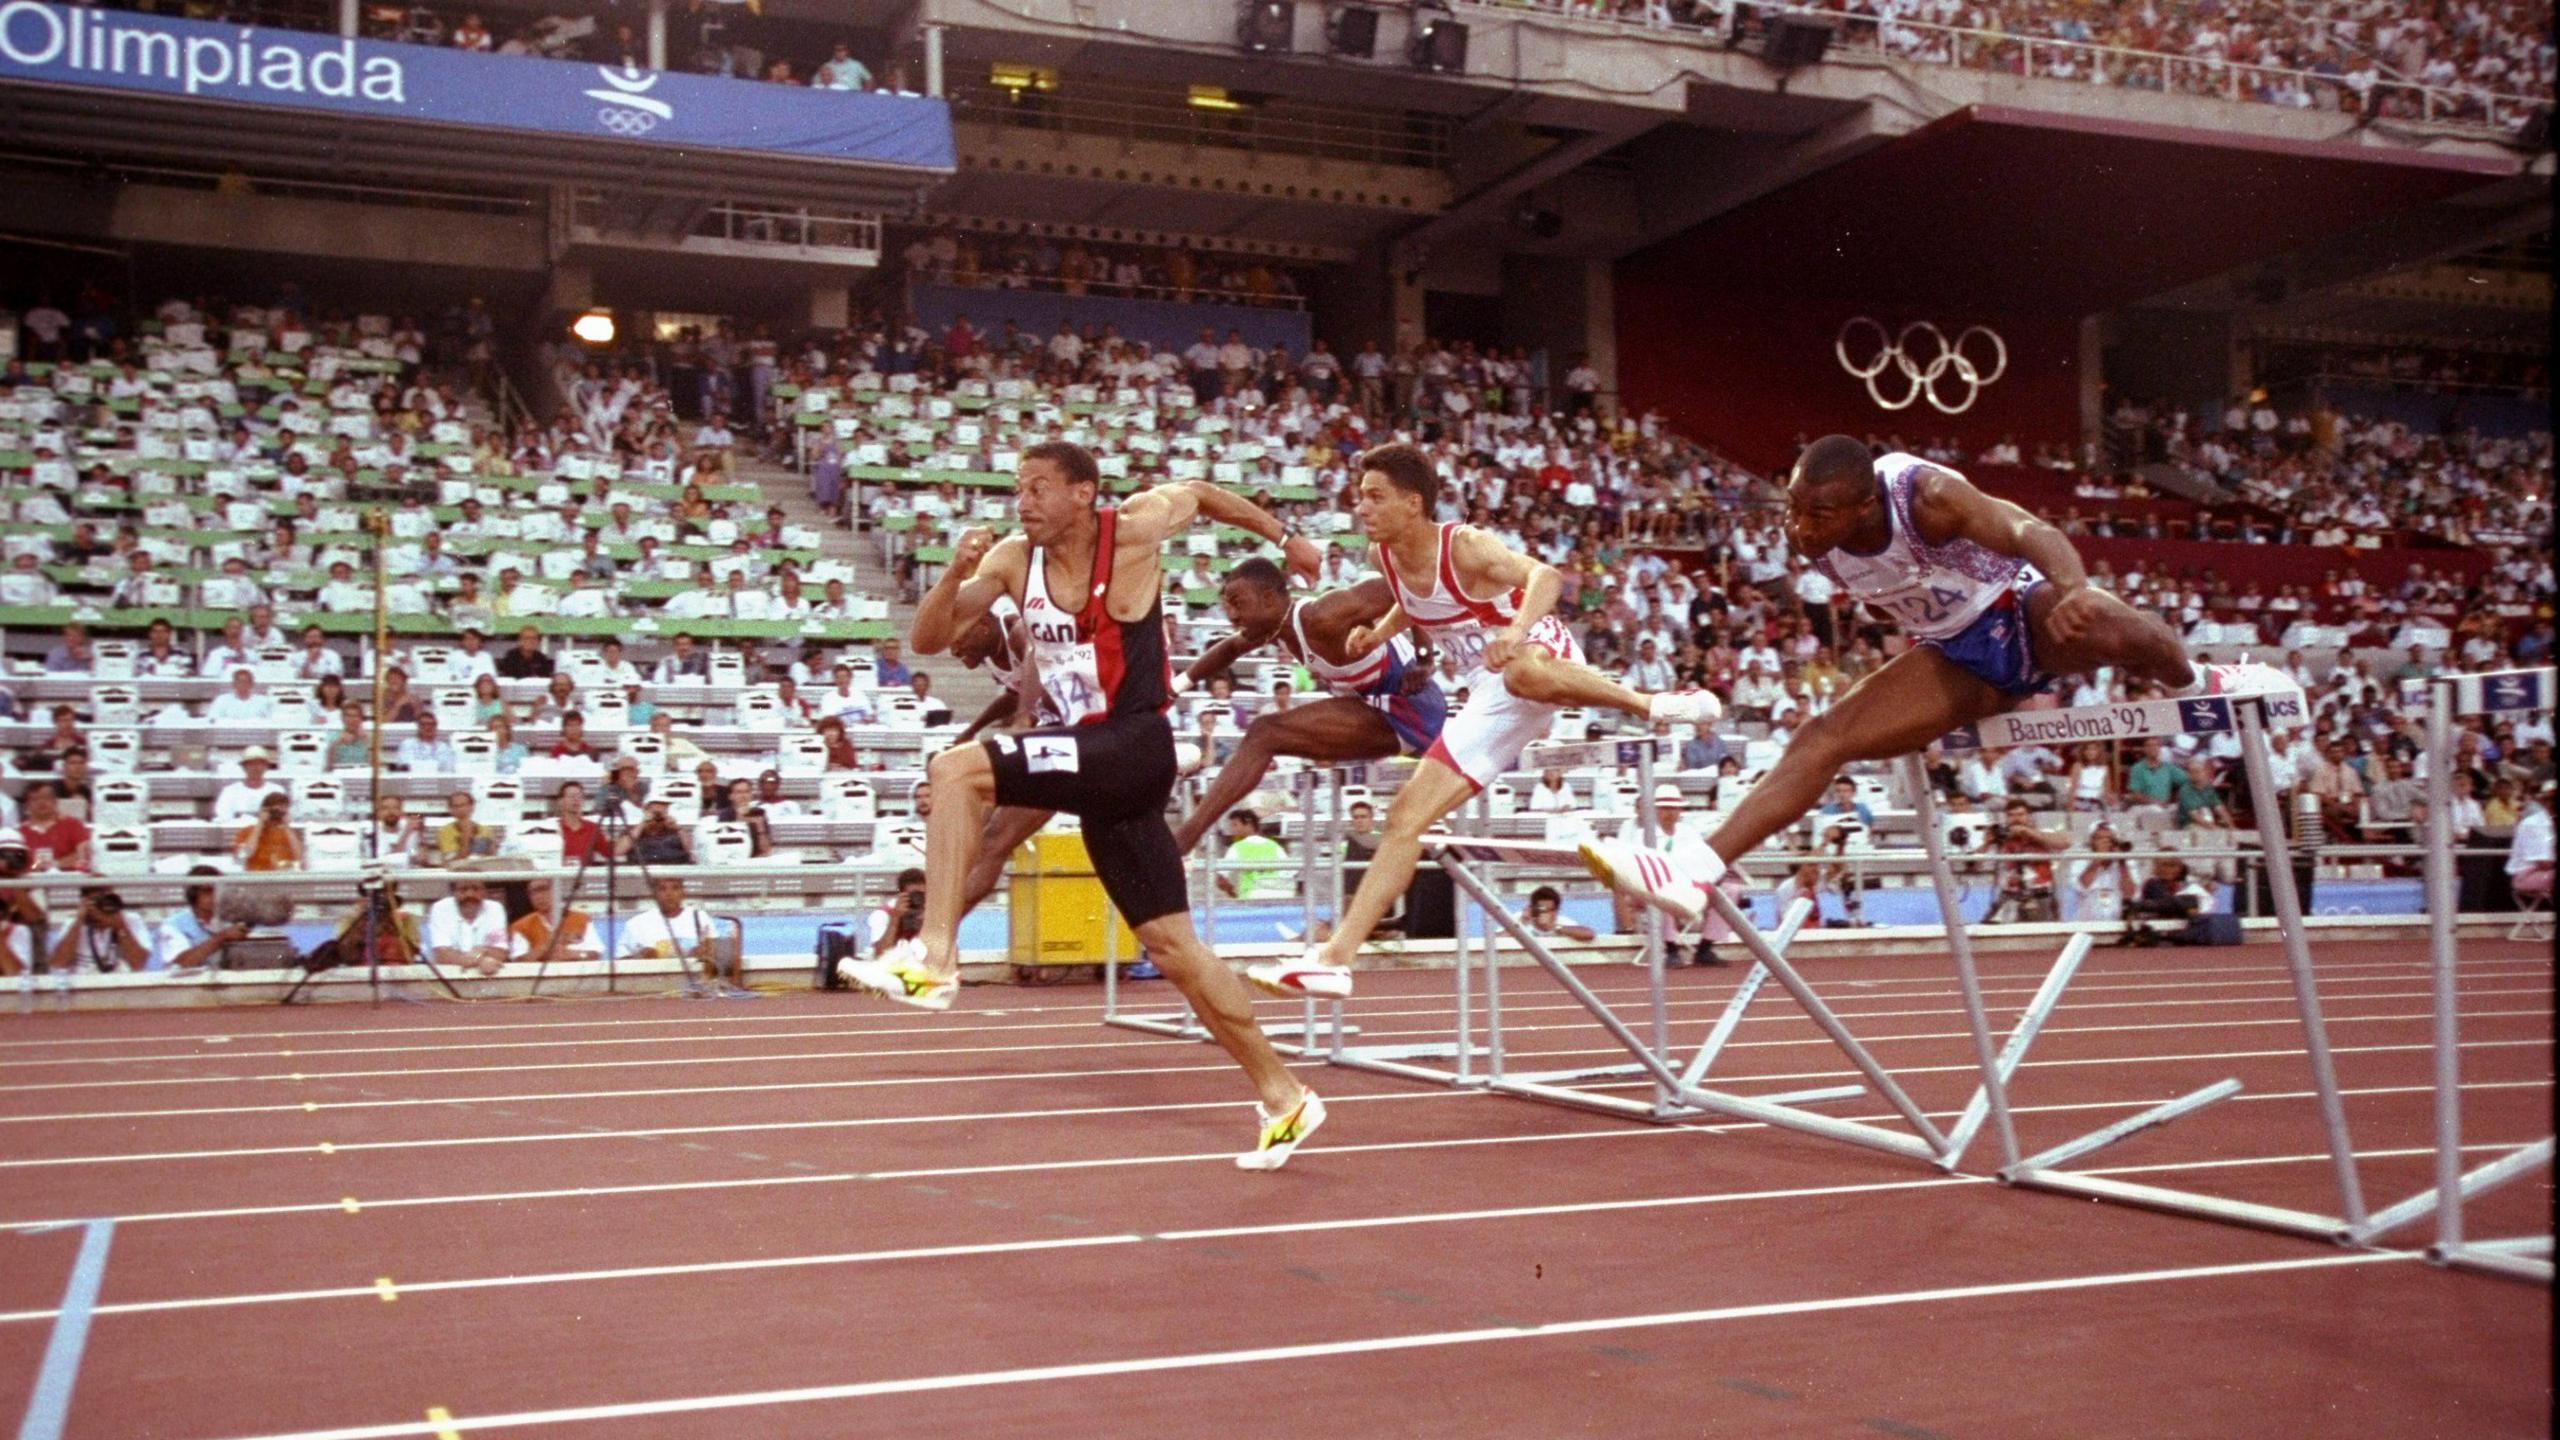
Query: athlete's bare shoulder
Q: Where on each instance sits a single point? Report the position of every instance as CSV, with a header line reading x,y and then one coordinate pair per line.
x,y
1941,501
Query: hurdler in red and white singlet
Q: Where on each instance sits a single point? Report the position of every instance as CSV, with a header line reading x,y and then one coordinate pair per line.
x,y
1486,736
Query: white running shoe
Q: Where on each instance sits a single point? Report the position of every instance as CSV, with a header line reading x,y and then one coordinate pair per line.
x,y
1304,976
901,976
2245,678
1685,707
1650,876
1282,1135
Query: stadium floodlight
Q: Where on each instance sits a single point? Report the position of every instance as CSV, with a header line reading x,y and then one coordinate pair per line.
x,y
594,328
1439,44
1267,27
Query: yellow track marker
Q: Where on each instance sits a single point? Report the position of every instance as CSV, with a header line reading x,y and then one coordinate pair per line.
x,y
328,1149
442,1419
348,1204
310,1107
383,1287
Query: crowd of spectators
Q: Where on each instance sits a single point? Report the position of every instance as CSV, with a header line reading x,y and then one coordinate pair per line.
x,y
2425,369
2490,61
1080,267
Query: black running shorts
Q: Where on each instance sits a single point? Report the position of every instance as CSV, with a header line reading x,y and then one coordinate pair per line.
x,y
1115,775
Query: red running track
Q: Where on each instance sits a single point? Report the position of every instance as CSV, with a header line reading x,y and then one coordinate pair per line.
x,y
812,1216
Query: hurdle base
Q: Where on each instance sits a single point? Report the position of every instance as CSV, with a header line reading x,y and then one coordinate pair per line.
x,y
2180,1202
2127,1128
2493,1258
2478,1182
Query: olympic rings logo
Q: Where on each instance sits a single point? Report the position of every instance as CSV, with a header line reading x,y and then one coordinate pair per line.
x,y
630,123
1922,377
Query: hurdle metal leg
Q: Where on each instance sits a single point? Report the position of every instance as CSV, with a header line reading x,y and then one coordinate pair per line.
x,y
1995,1079
2297,955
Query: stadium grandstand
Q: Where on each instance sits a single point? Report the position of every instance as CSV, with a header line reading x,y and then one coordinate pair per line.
x,y
482,487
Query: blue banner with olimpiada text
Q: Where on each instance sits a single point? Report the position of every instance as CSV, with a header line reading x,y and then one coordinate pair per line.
x,y
120,50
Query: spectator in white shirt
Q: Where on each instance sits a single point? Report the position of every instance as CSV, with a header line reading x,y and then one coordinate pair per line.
x,y
2529,853
242,704
424,753
668,929
1650,672
468,930
229,653
473,660
317,659
1552,796
613,669
239,801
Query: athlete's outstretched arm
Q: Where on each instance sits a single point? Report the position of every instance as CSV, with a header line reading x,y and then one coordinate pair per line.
x,y
1153,516
998,710
1221,657
1360,640
1948,507
1486,566
2079,626
981,569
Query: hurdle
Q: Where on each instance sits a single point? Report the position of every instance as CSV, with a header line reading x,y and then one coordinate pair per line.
x,y
1680,1092
2451,697
2248,718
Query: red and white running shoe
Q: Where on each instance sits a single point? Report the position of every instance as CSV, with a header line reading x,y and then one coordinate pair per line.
x,y
1650,876
1304,976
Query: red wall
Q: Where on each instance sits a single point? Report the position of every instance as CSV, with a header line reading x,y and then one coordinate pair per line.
x,y
1747,373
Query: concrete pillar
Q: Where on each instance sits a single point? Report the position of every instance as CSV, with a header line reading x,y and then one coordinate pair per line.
x,y
1599,332
2093,377
349,12
657,34
830,305
933,61
572,290
1404,292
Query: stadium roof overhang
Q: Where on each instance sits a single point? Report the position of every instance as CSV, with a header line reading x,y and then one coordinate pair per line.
x,y
117,125
2014,211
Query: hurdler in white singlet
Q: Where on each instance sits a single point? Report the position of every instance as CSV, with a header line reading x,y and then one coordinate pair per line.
x,y
1933,592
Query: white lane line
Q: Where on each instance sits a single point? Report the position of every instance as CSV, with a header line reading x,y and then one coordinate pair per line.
x,y
2091,982
412,1287
972,1117
1848,1006
1022,1167
1371,1345
1371,1033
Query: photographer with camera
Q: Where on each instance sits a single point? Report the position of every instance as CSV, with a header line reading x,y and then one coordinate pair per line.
x,y
194,937
2026,887
902,917
269,842
22,916
102,937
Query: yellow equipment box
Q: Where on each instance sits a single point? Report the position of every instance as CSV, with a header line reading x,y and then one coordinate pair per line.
x,y
1057,907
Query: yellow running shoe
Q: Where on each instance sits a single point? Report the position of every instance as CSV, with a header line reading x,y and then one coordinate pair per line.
x,y
901,976
1281,1136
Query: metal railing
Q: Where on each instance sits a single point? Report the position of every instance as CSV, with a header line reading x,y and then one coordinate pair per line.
x,y
1866,36
1086,106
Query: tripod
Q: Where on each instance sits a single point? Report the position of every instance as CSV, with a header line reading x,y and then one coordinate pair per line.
x,y
376,892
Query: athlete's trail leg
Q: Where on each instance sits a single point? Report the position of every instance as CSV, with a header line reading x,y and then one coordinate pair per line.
x,y
1918,696
2143,644
1334,728
1222,1002
1007,827
1432,793
964,789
